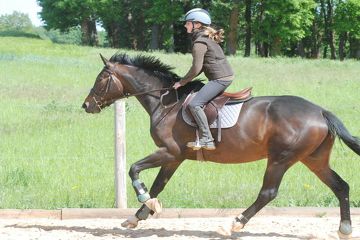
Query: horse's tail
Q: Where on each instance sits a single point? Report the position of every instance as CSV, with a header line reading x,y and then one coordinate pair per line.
x,y
337,128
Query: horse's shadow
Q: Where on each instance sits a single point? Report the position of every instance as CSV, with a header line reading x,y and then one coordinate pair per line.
x,y
158,232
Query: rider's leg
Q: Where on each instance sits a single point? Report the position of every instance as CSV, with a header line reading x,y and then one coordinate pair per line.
x,y
206,93
206,139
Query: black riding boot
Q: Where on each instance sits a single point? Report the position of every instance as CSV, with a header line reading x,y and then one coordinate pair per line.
x,y
206,139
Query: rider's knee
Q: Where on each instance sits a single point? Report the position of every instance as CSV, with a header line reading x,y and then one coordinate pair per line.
x,y
194,106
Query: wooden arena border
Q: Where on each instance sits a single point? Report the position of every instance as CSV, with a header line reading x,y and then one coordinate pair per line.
x,y
83,213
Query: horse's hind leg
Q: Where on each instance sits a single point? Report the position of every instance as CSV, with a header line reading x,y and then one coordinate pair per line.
x,y
318,162
271,182
341,191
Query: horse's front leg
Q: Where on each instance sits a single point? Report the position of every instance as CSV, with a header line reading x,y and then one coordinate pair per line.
x,y
161,180
160,158
157,159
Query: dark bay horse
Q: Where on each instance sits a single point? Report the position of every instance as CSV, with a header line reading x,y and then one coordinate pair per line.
x,y
283,129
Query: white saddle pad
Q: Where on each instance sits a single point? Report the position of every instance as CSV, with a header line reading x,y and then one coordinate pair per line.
x,y
228,114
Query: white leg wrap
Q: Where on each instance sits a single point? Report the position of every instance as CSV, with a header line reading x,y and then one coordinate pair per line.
x,y
154,204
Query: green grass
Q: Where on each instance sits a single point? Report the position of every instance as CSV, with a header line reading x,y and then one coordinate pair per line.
x,y
54,155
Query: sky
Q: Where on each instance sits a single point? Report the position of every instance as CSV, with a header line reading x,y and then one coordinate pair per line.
x,y
29,7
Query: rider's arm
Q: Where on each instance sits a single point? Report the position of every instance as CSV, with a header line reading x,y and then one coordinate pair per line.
x,y
198,53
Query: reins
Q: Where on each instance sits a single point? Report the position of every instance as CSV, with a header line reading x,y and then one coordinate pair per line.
x,y
127,95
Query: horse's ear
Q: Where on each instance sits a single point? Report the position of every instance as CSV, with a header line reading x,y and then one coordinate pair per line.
x,y
105,61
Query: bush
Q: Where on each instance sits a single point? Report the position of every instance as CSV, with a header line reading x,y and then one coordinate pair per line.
x,y
73,36
15,22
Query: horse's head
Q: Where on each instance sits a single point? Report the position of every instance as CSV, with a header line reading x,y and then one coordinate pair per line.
x,y
106,90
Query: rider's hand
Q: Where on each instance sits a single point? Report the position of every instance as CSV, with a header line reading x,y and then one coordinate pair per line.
x,y
177,85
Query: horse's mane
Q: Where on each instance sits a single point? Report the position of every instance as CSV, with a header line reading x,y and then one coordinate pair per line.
x,y
149,63
156,68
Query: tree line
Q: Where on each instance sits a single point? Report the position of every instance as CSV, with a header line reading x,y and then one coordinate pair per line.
x,y
267,28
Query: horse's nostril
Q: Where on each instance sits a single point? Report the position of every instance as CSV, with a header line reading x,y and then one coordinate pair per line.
x,y
85,105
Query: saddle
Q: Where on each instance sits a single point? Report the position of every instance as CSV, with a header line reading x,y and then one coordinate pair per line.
x,y
212,109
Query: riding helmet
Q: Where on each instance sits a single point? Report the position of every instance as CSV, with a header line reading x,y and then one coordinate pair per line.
x,y
198,15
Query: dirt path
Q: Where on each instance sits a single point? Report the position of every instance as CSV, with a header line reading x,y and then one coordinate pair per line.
x,y
260,227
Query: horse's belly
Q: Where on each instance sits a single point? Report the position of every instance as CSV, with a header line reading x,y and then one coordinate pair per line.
x,y
228,154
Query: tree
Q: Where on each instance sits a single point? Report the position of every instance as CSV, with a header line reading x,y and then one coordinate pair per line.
x,y
225,15
248,6
314,41
232,45
280,23
276,27
347,24
165,18
65,14
327,9
113,16
137,33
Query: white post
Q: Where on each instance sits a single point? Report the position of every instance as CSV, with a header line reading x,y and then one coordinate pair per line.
x,y
120,155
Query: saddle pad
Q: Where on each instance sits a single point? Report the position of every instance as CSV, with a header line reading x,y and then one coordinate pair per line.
x,y
228,114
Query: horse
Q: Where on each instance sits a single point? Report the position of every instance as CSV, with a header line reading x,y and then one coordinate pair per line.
x,y
282,129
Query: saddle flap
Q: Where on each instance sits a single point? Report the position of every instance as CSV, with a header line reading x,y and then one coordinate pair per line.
x,y
228,116
211,110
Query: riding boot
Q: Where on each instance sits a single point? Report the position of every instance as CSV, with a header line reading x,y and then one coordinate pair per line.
x,y
206,140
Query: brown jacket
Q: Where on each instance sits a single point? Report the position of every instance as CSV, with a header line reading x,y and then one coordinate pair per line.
x,y
209,58
215,64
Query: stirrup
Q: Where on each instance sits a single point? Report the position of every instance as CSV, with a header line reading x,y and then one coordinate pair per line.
x,y
194,145
210,146
197,144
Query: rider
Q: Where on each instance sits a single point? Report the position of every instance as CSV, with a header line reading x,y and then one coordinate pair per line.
x,y
208,57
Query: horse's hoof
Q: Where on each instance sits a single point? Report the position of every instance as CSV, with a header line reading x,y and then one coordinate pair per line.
x,y
227,229
224,230
154,204
344,236
345,230
237,226
131,222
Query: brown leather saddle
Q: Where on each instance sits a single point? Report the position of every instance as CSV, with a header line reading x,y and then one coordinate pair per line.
x,y
212,108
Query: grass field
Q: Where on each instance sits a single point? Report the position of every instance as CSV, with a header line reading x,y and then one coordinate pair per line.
x,y
54,155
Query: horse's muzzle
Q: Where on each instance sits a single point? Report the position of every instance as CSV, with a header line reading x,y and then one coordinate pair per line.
x,y
90,108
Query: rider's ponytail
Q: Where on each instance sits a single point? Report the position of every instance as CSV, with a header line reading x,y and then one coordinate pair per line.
x,y
216,35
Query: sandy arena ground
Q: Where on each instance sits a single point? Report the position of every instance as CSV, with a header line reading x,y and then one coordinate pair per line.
x,y
260,227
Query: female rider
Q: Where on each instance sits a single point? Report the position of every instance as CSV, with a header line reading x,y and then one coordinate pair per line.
x,y
208,57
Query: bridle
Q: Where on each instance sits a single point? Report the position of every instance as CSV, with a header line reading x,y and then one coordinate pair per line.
x,y
101,102
99,98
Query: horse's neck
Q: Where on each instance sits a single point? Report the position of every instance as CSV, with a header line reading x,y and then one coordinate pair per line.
x,y
141,82
150,101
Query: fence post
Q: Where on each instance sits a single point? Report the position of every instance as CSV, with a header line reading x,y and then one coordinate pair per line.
x,y
120,155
